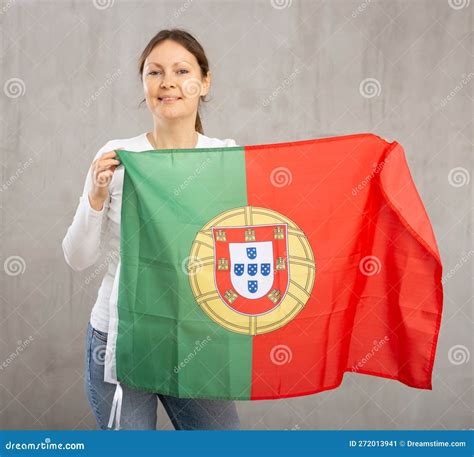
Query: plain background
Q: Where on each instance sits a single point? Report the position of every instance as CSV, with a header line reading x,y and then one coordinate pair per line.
x,y
70,83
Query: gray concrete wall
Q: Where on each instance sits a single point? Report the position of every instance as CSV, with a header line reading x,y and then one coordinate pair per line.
x,y
69,79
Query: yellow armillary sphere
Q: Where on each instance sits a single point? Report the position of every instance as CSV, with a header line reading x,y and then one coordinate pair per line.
x,y
251,269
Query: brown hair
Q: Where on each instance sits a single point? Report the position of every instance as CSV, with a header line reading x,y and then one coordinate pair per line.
x,y
186,40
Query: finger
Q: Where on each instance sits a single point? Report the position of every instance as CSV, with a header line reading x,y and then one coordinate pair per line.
x,y
101,168
108,155
108,162
111,168
112,152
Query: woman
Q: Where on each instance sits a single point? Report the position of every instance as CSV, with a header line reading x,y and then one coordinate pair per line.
x,y
175,74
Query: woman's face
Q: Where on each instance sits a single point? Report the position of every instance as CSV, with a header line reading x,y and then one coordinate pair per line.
x,y
172,81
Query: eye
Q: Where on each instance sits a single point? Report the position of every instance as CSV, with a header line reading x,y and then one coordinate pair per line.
x,y
152,72
185,71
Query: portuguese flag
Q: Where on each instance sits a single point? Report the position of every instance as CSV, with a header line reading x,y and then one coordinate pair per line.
x,y
269,271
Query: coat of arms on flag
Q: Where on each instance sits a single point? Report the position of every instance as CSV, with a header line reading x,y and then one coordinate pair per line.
x,y
251,278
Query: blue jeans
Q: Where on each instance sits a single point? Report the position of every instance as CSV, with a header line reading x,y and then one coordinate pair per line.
x,y
139,407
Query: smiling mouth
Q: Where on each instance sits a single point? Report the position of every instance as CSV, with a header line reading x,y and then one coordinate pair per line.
x,y
168,99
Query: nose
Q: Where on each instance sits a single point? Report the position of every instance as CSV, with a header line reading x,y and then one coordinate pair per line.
x,y
167,81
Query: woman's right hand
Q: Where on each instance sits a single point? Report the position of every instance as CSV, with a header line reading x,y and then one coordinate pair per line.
x,y
102,171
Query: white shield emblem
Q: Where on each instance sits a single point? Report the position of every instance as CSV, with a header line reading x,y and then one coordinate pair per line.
x,y
251,268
